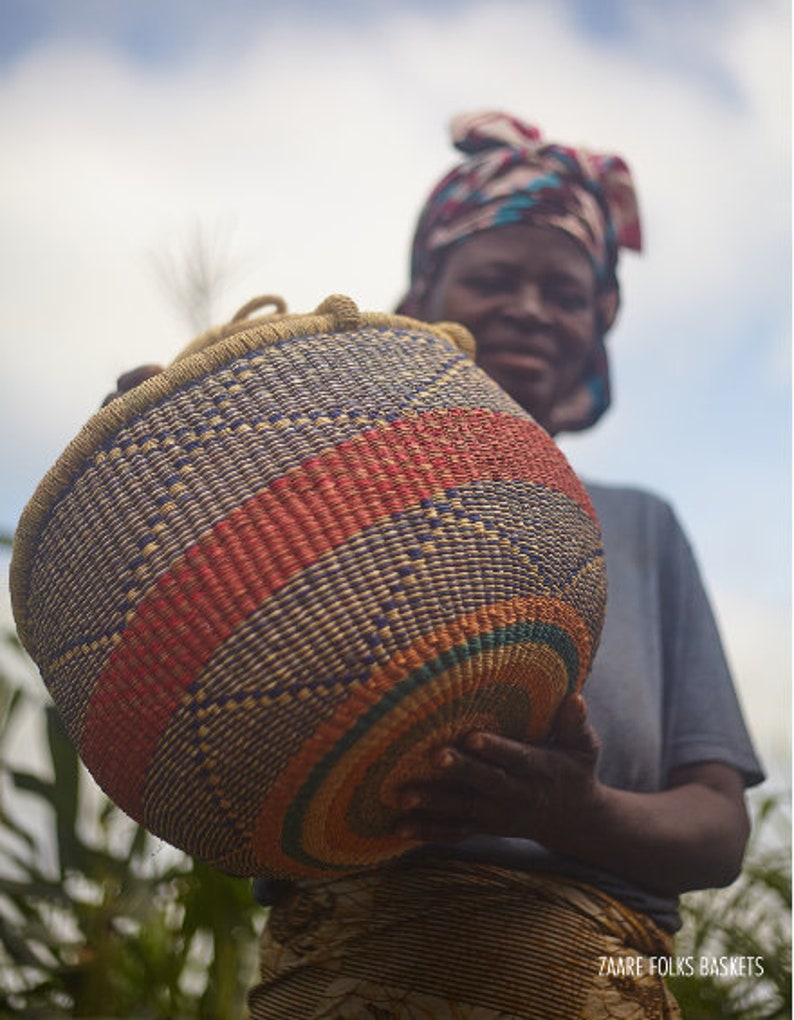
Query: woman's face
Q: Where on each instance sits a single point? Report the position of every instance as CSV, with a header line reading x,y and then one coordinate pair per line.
x,y
529,296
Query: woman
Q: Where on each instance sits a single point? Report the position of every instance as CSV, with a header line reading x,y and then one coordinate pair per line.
x,y
547,884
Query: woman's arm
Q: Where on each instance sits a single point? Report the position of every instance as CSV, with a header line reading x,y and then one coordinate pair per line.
x,y
688,836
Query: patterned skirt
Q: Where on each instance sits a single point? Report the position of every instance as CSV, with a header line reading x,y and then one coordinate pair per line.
x,y
450,940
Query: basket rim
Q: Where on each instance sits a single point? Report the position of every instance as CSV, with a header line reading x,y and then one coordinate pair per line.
x,y
205,354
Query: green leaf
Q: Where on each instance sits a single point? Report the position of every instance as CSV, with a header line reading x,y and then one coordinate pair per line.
x,y
66,770
11,827
39,787
15,700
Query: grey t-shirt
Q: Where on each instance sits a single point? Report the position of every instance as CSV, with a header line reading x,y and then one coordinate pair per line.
x,y
659,695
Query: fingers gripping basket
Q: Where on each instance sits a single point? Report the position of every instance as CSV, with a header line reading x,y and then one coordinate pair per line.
x,y
263,585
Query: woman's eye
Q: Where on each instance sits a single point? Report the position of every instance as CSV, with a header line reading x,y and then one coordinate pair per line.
x,y
569,301
489,284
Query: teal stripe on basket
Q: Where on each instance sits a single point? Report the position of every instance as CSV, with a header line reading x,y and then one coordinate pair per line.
x,y
532,631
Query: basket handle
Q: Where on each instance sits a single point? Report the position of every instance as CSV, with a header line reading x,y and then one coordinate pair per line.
x,y
256,303
343,310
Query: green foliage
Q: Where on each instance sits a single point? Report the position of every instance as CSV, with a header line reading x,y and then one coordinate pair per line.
x,y
748,921
96,918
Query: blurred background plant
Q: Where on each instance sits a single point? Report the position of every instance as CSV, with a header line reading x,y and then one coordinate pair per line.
x,y
750,921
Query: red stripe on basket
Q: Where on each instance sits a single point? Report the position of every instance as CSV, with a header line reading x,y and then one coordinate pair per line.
x,y
258,547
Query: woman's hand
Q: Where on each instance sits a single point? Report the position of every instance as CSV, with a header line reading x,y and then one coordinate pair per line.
x,y
133,378
690,835
504,788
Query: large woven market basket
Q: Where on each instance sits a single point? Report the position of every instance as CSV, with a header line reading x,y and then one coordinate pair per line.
x,y
264,585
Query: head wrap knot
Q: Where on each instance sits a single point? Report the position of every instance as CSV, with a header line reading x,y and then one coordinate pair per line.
x,y
511,175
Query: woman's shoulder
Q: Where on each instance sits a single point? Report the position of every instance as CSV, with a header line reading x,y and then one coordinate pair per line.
x,y
633,509
627,497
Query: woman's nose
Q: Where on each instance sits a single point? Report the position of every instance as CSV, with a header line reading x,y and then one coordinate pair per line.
x,y
527,303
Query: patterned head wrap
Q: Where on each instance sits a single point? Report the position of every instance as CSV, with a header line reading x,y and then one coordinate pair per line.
x,y
510,175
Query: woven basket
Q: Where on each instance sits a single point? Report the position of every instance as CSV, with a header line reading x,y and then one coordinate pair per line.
x,y
262,586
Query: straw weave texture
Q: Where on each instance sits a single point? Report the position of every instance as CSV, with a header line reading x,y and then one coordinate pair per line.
x,y
262,586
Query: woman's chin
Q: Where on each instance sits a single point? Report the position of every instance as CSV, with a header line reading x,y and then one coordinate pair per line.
x,y
535,400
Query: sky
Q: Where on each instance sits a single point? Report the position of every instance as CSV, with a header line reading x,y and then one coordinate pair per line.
x,y
293,143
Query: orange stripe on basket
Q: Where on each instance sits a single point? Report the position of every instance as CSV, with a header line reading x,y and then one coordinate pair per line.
x,y
268,835
193,608
326,834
